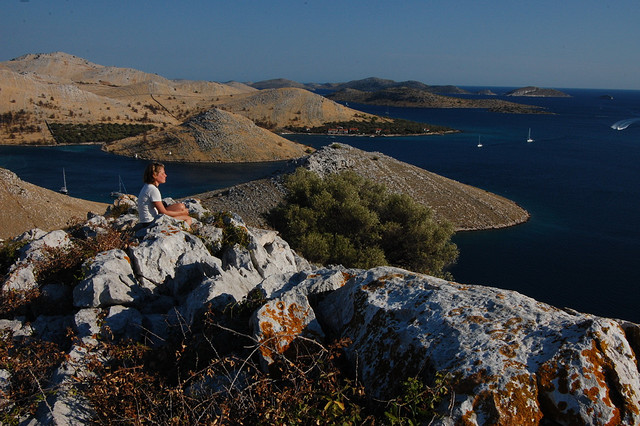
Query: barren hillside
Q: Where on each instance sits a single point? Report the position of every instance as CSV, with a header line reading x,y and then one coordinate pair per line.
x,y
277,108
58,87
26,206
213,136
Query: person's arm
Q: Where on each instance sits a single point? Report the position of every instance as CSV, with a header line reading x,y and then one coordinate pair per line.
x,y
178,210
163,210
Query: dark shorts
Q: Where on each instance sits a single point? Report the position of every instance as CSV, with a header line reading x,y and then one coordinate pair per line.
x,y
141,225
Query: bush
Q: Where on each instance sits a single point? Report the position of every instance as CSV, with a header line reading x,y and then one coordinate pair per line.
x,y
347,219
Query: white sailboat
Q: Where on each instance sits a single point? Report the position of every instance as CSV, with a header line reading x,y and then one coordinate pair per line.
x,y
529,137
64,189
121,189
479,143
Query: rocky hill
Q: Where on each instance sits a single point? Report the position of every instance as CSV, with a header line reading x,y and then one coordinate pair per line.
x,y
537,92
466,207
276,83
38,92
179,324
279,108
59,87
26,206
213,136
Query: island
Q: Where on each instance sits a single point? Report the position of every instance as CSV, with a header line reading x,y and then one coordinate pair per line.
x,y
537,92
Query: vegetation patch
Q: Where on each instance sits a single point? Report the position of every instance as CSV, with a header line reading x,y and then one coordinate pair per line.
x,y
374,126
349,220
102,132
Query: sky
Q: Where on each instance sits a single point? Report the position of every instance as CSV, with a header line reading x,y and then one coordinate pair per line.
x,y
510,43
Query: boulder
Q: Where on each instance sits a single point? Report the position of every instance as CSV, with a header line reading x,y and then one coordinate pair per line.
x,y
110,281
87,323
270,254
21,274
123,323
195,208
511,359
282,320
169,256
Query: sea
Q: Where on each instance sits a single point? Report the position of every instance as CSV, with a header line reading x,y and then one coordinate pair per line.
x,y
579,179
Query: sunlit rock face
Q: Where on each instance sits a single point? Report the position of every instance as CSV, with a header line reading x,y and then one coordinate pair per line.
x,y
513,360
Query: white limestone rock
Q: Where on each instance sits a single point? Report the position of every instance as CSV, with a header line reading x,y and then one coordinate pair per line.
x,y
169,256
86,323
270,254
18,326
219,292
110,281
308,282
123,323
513,360
279,322
21,275
195,208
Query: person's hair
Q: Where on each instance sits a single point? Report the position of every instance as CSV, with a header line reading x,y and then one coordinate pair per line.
x,y
150,171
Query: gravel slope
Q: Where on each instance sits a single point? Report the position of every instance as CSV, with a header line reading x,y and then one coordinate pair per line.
x,y
26,206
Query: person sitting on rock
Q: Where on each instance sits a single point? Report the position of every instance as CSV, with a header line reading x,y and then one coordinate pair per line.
x,y
150,204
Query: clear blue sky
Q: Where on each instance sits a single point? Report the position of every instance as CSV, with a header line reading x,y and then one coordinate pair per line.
x,y
559,43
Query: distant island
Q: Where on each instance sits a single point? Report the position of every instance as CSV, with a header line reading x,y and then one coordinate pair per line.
x,y
537,92
370,84
407,97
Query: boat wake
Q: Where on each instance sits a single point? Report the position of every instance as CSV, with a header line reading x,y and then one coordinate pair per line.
x,y
623,124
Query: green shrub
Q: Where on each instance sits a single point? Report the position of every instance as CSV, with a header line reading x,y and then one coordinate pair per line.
x,y
231,234
349,220
9,253
418,402
101,132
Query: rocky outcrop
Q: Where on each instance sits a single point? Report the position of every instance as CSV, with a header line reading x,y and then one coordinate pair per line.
x,y
514,360
509,358
213,136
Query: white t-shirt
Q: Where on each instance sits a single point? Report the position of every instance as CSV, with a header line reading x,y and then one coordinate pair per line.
x,y
146,210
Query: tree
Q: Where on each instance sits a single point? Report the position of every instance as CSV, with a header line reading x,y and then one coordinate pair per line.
x,y
349,220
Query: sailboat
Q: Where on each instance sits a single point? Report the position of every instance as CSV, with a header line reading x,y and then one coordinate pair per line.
x,y
64,189
479,143
121,189
529,138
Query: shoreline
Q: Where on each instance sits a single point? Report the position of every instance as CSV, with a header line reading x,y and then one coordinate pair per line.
x,y
393,135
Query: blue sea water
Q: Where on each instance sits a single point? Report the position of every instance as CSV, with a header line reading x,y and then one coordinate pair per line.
x,y
579,179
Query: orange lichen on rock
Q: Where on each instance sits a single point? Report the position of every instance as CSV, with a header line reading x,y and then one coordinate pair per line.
x,y
280,326
509,350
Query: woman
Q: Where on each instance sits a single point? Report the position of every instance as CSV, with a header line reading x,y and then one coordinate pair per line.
x,y
150,204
